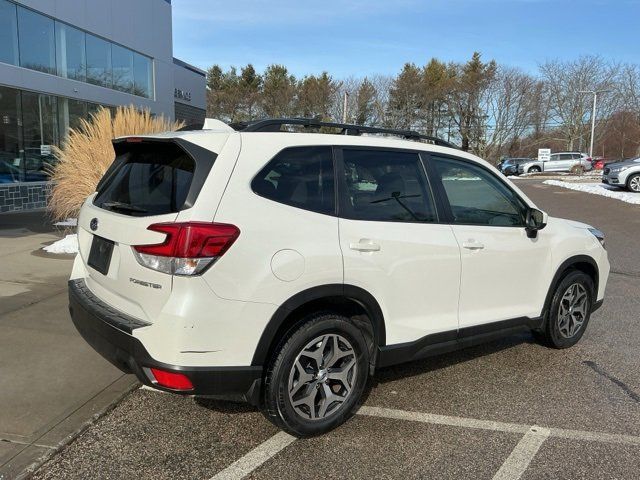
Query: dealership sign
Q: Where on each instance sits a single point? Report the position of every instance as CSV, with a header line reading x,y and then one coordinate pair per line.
x,y
544,154
182,94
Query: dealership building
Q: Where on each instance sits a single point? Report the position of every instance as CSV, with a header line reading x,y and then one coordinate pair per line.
x,y
60,60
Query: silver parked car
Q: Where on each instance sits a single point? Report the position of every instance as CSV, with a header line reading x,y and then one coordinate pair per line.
x,y
624,174
559,162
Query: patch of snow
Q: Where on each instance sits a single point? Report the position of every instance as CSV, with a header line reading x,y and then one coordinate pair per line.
x,y
69,222
598,189
68,244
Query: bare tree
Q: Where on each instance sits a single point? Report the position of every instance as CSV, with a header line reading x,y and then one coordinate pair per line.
x,y
510,107
569,106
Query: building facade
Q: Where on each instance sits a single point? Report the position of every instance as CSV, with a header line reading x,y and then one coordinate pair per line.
x,y
60,60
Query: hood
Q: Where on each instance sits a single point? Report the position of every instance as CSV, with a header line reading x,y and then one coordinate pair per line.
x,y
633,161
571,223
575,224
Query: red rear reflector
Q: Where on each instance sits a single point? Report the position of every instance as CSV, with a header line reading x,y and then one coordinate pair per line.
x,y
176,381
191,240
134,140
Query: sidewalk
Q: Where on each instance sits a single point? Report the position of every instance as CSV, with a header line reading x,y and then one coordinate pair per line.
x,y
51,382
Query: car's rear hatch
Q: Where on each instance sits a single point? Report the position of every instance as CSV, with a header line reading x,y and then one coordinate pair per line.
x,y
151,181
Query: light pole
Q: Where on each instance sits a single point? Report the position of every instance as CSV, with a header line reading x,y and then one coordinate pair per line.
x,y
345,99
593,115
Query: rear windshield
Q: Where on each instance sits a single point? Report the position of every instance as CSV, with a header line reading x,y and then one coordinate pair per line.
x,y
147,178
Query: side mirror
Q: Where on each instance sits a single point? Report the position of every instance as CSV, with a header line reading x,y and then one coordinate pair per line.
x,y
536,220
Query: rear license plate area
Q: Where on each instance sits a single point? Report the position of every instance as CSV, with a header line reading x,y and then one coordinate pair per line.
x,y
100,254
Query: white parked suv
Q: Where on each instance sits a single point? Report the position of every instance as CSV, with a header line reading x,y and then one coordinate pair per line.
x,y
574,162
285,268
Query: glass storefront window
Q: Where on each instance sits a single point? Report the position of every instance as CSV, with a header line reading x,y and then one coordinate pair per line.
x,y
70,52
40,133
98,61
70,114
8,33
30,125
37,41
122,63
10,136
143,76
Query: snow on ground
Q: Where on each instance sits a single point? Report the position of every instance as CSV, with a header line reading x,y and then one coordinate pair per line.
x,y
68,244
598,189
69,222
567,177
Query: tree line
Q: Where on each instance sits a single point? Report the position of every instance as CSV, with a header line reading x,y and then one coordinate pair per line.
x,y
492,110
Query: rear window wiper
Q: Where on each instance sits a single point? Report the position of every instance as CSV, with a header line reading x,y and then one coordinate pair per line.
x,y
125,207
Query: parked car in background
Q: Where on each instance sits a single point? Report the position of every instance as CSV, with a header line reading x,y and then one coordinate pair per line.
x,y
599,163
624,174
559,162
509,166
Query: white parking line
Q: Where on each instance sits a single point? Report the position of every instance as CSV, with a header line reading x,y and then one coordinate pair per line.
x,y
595,436
443,419
520,458
256,457
497,426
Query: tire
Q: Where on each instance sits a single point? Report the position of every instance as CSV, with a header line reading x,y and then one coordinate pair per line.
x,y
575,296
294,376
534,170
633,183
577,169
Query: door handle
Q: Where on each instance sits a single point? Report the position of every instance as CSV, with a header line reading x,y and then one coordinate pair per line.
x,y
472,245
365,245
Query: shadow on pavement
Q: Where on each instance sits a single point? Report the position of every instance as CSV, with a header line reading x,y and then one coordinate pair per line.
x,y
391,374
20,223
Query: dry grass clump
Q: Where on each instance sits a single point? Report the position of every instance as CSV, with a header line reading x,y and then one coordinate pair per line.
x,y
88,152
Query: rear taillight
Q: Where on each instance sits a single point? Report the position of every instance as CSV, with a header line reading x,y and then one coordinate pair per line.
x,y
188,249
173,380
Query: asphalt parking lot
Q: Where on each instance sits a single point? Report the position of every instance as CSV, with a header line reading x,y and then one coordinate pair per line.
x,y
507,409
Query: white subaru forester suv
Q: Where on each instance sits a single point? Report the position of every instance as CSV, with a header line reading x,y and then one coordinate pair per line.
x,y
284,268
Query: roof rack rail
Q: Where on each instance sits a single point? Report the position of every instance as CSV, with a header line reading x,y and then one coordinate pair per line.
x,y
275,125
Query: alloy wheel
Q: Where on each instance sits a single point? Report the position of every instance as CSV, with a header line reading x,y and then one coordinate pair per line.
x,y
634,184
573,310
322,377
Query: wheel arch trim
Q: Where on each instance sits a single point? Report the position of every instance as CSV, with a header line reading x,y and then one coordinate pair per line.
x,y
562,269
348,292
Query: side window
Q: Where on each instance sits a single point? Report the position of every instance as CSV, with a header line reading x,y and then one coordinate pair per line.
x,y
386,186
476,196
554,158
301,177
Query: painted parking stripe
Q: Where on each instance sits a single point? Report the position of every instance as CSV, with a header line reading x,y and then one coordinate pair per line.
x,y
497,426
443,420
595,436
520,458
256,457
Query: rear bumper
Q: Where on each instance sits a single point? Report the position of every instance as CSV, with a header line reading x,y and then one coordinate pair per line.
x,y
109,332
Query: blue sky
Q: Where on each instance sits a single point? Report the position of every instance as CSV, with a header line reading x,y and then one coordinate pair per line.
x,y
358,38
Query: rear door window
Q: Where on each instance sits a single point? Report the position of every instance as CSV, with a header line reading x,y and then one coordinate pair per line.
x,y
301,177
149,178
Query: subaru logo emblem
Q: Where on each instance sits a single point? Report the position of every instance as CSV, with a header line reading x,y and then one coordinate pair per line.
x,y
93,225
